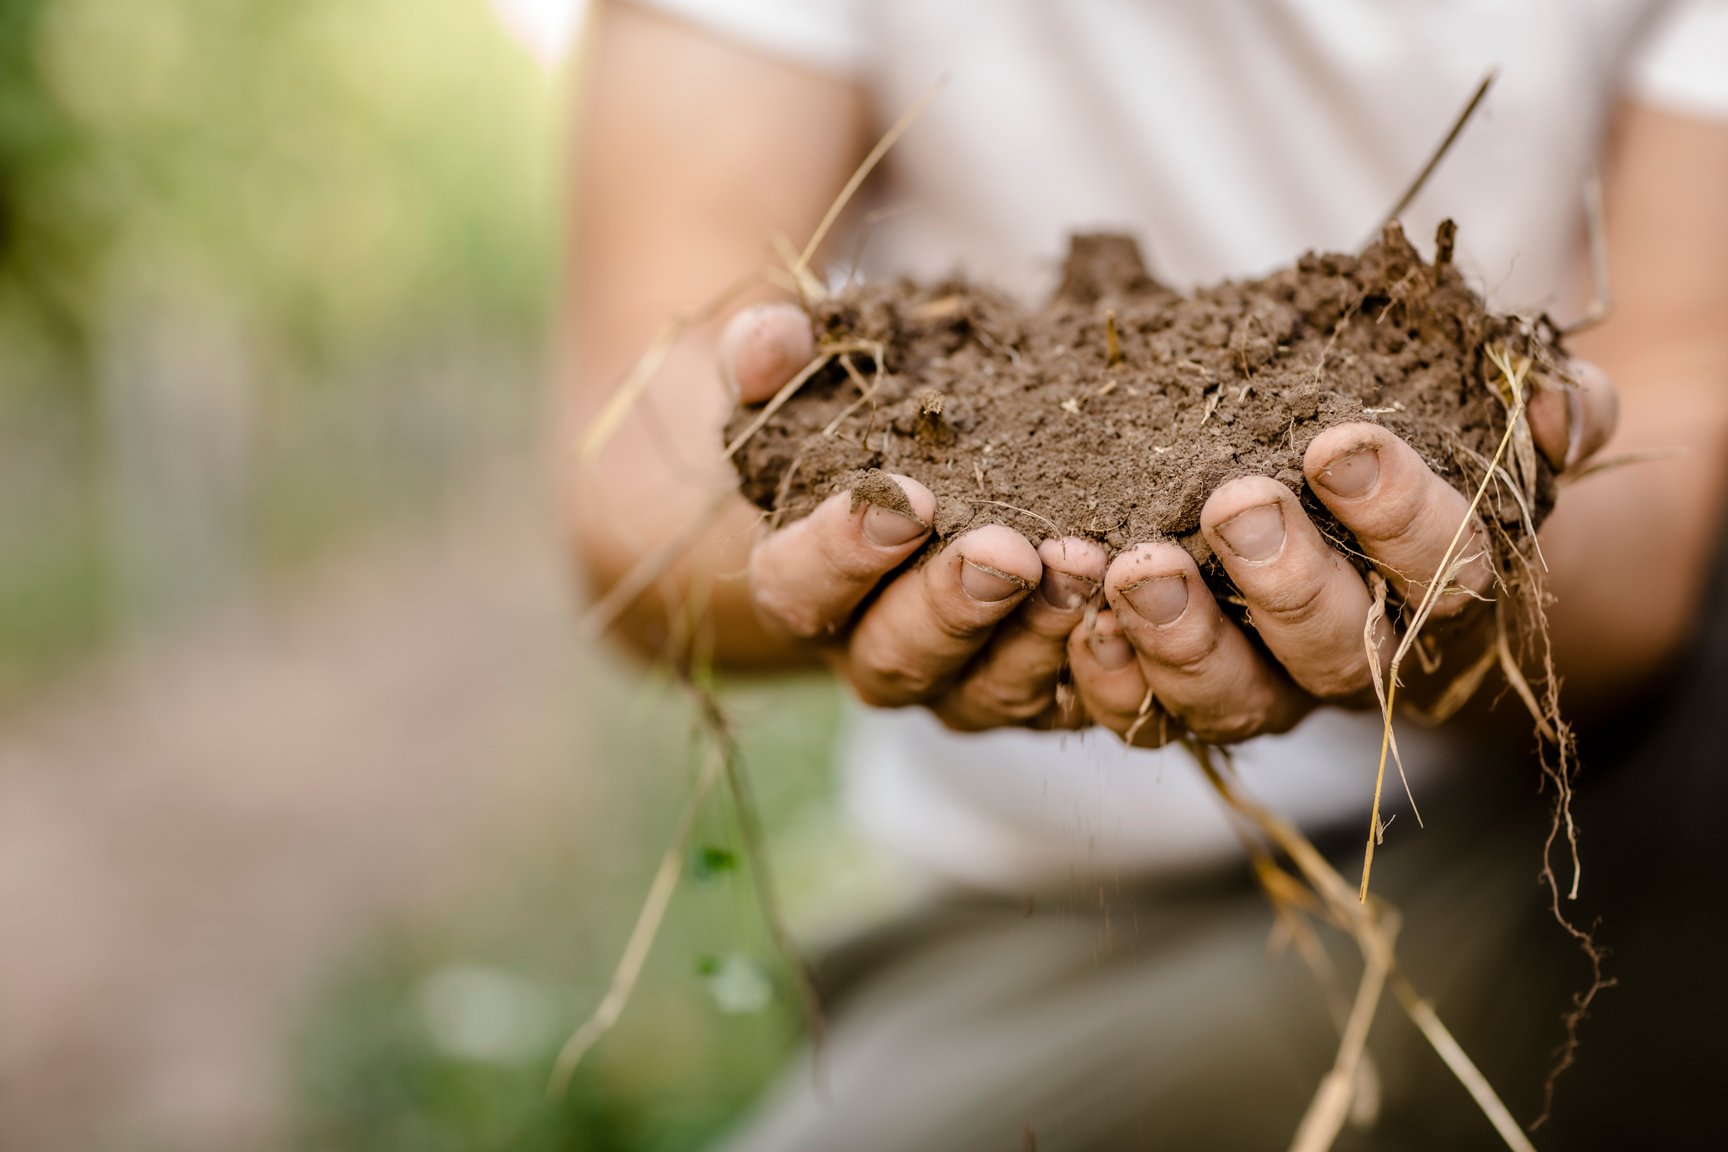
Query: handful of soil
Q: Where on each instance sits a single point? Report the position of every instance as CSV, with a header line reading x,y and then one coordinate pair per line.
x,y
1114,411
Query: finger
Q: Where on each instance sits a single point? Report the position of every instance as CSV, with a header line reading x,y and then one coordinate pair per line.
x,y
1198,664
1013,680
1570,423
1112,688
1403,515
1304,600
807,578
763,347
929,622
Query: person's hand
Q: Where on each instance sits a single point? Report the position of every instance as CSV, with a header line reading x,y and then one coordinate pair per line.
x,y
967,634
978,632
1164,659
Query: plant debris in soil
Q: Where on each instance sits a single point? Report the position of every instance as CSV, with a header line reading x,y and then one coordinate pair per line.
x,y
1114,411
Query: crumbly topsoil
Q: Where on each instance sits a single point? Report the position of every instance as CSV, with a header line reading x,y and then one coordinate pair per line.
x,y
1027,419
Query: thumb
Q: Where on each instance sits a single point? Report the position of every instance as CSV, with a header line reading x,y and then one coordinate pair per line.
x,y
763,347
1569,422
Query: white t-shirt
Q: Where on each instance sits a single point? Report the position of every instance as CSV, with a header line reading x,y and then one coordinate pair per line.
x,y
1229,136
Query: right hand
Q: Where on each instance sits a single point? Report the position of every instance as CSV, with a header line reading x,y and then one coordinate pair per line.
x,y
978,632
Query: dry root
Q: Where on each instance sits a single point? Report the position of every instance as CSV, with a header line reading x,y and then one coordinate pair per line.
x,y
1373,923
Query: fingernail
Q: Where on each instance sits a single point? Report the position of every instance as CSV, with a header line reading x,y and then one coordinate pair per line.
x,y
887,528
1351,474
1158,599
1065,590
1111,650
988,584
1256,534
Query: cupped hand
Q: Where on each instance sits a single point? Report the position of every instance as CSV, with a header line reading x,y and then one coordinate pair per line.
x,y
981,631
977,632
1166,660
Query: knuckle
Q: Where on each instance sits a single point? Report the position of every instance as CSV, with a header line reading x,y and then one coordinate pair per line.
x,y
1298,596
1234,714
1229,728
1454,603
1115,723
894,683
797,618
961,624
1188,654
847,558
1045,622
1417,528
956,718
1402,521
1110,714
1476,576
1340,682
1294,603
1100,693
1012,700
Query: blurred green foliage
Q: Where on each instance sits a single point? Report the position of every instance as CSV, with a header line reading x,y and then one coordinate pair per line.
x,y
377,1075
353,194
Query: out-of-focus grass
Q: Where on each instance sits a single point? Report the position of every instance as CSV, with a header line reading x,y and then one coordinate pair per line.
x,y
441,1036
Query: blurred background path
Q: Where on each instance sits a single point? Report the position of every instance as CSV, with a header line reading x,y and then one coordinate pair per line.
x,y
192,831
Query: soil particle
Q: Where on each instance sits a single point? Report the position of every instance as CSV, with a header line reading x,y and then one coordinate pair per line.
x,y
873,486
1027,419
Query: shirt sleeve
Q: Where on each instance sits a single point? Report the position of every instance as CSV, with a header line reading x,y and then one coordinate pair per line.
x,y
1683,65
826,35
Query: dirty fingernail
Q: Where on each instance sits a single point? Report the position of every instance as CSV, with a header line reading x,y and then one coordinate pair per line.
x,y
988,584
1111,650
887,528
1351,474
1158,599
1256,534
1064,590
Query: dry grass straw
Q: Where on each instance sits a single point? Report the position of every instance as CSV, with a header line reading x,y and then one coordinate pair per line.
x,y
790,389
1610,463
607,421
1373,923
1524,616
604,612
863,172
618,405
1511,473
1595,222
865,391
1439,154
723,761
1513,371
642,935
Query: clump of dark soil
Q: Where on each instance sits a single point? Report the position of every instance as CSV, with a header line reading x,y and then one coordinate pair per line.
x,y
1114,411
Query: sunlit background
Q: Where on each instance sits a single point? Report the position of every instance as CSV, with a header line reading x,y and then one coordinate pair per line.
x,y
319,827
